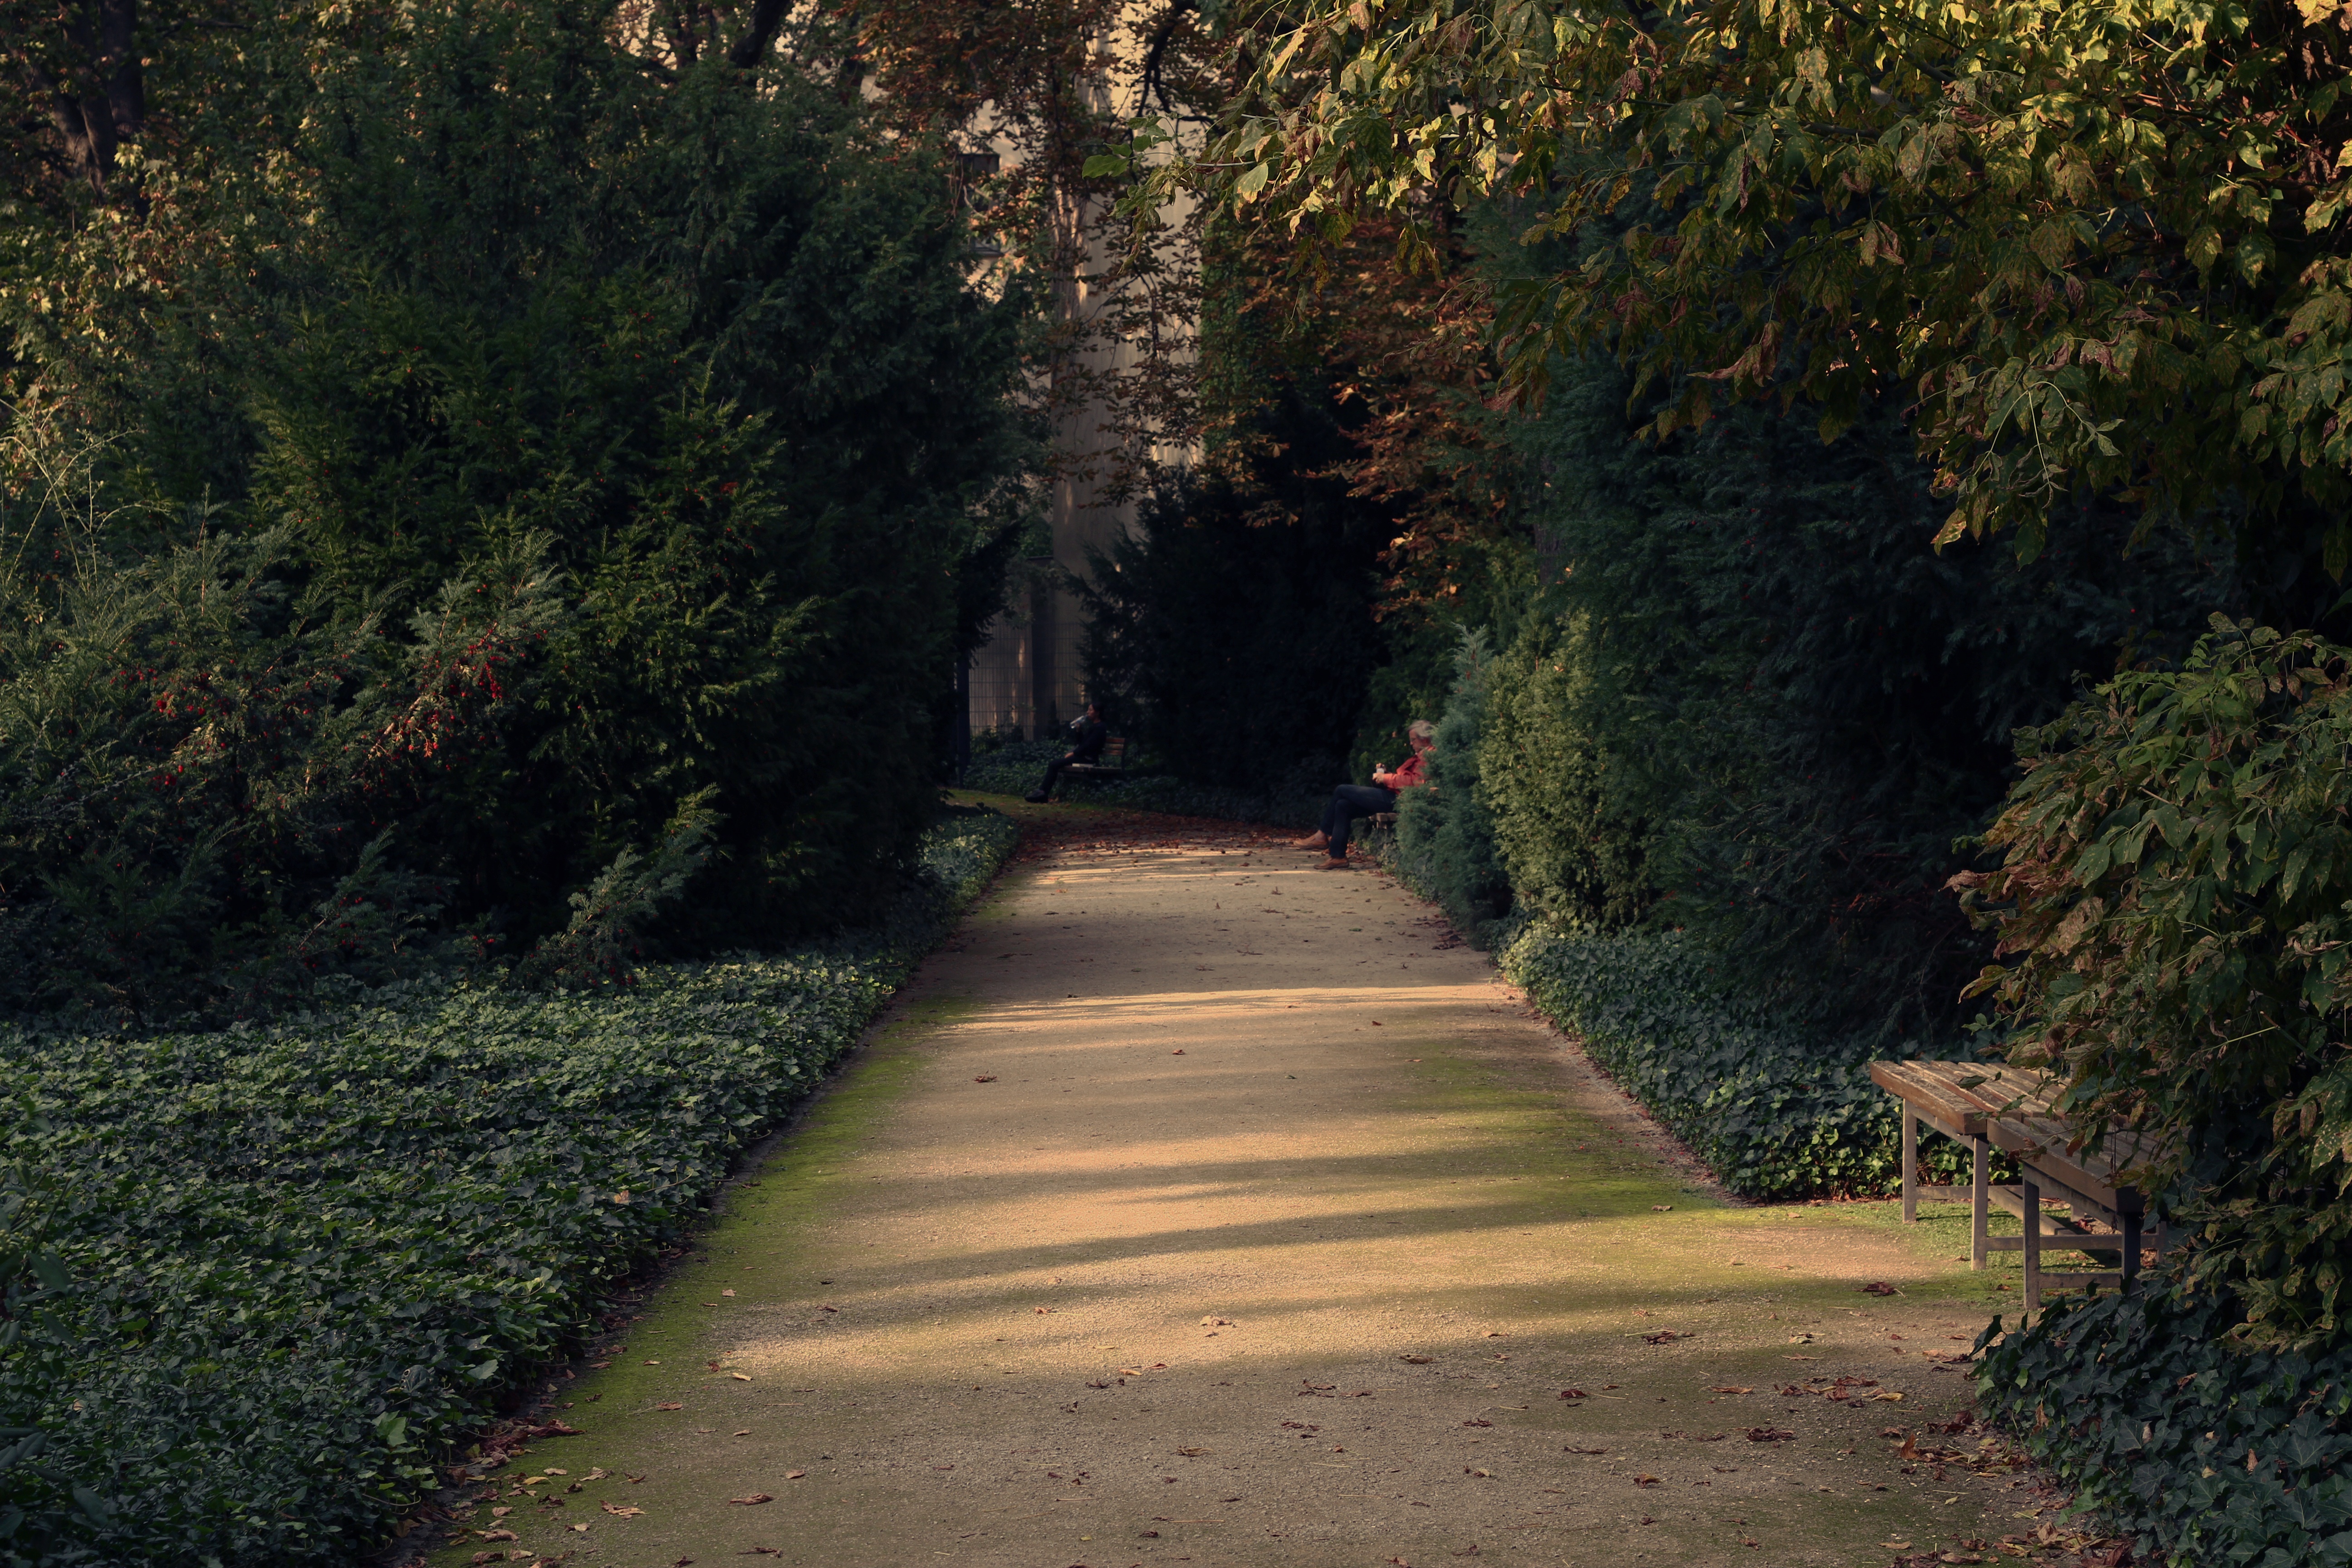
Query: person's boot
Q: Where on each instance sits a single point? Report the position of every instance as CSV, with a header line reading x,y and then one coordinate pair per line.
x,y
1035,798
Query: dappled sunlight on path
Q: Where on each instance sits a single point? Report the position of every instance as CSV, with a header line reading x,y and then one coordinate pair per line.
x,y
1199,1206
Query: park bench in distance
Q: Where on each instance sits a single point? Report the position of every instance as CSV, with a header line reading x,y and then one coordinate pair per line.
x,y
1985,1105
1110,765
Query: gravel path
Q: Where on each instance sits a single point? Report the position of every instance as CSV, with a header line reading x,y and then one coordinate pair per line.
x,y
1196,1205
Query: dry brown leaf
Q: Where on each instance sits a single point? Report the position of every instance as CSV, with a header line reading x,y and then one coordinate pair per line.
x,y
740,1376
620,1513
1194,1453
794,1475
1417,1360
670,1406
755,1499
1728,1389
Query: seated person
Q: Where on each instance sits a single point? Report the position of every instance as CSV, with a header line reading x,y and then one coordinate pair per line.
x,y
1350,802
1087,733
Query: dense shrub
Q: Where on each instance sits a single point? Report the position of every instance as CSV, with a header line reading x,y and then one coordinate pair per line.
x,y
1767,670
1552,773
255,1280
1773,1108
1233,629
2209,1453
2173,896
465,297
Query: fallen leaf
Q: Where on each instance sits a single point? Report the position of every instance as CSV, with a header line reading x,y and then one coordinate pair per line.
x,y
1645,1481
1483,1475
1497,1334
985,1078
1730,1390
794,1475
746,1431
498,1535
1584,1450
1769,1433
580,1528
756,1498
1574,1393
1880,1288
1417,1360
1177,1052
727,1292
1896,1545
618,1512
1887,1393
740,1376
1194,1453
1666,1337
670,1406
1474,1421
1660,1208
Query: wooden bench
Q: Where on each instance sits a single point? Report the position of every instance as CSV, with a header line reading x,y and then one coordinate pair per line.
x,y
1110,765
1986,1106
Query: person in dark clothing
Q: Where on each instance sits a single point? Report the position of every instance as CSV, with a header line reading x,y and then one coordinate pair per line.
x,y
1087,733
1350,802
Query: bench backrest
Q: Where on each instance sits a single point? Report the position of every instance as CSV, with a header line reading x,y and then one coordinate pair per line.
x,y
1114,749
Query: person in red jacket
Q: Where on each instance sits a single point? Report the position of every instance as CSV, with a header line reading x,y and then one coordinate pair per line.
x,y
1350,802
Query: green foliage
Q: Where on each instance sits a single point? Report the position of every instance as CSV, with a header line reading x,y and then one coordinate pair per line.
x,y
501,448
2173,895
2138,1404
1444,845
1552,770
1850,195
1775,1110
1788,704
1232,627
276,1270
196,758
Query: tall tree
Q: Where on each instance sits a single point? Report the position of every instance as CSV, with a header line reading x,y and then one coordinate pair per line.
x,y
2102,244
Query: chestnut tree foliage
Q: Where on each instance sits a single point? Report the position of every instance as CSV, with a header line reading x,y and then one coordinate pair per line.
x,y
2102,246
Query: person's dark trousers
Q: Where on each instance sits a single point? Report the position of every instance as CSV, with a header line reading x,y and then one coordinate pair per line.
x,y
1350,802
1054,775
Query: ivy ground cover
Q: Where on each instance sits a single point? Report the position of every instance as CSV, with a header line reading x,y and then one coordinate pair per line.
x,y
1775,1109
259,1281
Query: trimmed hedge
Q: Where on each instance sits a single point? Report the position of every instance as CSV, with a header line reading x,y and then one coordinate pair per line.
x,y
262,1276
1775,1110
2207,1454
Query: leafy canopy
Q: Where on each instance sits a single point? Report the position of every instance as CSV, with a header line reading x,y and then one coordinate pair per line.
x,y
2101,242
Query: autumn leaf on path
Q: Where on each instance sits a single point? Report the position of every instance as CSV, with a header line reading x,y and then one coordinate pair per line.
x,y
670,1406
794,1475
756,1498
1881,1287
1770,1435
1417,1360
1574,1393
619,1513
498,1535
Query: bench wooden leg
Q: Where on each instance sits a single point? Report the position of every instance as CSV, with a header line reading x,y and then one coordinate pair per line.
x,y
2033,1249
1980,1204
1910,1165
2131,1247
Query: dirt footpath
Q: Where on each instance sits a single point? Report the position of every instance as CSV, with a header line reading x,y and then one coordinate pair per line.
x,y
1197,1206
